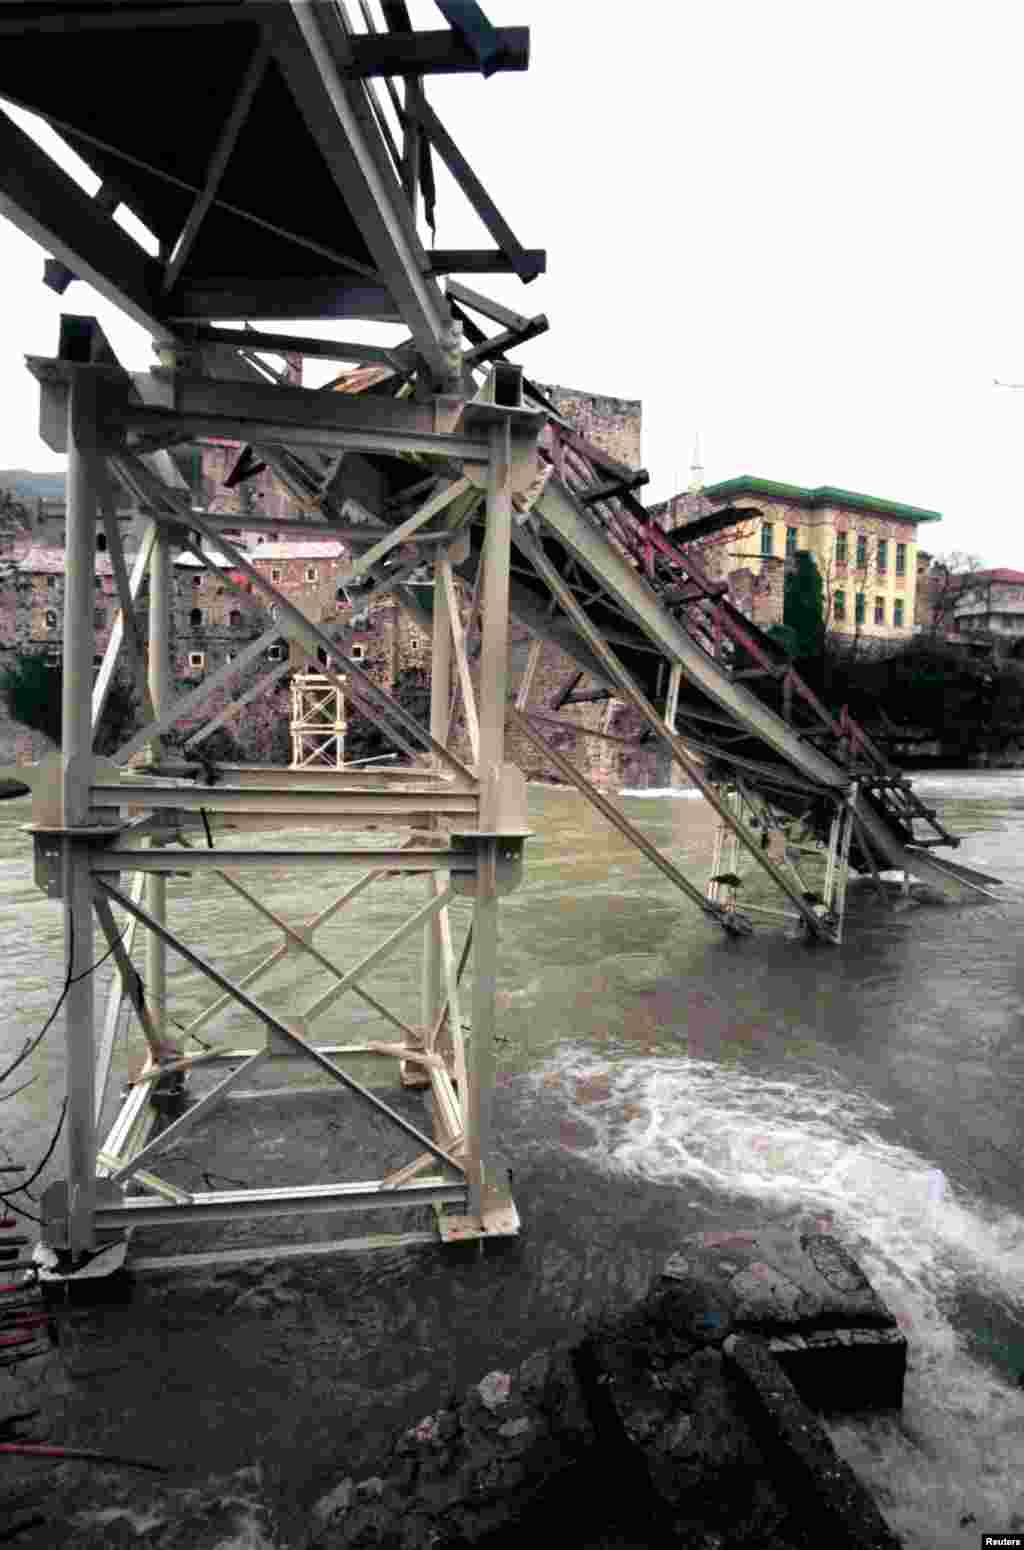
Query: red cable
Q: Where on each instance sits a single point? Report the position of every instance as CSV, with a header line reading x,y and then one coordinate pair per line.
x,y
49,1450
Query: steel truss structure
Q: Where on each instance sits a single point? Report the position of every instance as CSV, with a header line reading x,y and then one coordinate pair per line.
x,y
442,457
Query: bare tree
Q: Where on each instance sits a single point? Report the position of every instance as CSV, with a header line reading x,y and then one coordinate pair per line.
x,y
947,582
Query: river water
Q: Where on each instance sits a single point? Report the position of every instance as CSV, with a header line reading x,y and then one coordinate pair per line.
x,y
657,1079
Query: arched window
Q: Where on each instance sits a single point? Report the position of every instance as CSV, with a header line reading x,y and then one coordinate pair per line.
x,y
195,618
101,541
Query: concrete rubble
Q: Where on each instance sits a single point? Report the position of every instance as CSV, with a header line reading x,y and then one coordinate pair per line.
x,y
684,1420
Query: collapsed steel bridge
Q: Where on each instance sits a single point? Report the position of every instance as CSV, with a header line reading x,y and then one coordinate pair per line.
x,y
284,181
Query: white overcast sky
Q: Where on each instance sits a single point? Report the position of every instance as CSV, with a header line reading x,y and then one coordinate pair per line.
x,y
793,227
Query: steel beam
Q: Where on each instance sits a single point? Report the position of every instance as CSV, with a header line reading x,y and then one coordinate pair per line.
x,y
290,344
313,1199
48,206
431,53
165,423
309,46
106,862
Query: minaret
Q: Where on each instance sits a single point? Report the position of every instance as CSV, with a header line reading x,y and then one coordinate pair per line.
x,y
696,484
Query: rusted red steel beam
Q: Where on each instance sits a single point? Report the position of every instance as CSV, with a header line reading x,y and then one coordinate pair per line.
x,y
729,620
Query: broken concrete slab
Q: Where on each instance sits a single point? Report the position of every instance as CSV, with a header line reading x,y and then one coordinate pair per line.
x,y
804,1292
835,1501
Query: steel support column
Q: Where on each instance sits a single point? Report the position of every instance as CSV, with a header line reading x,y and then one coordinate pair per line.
x,y
440,678
160,691
84,475
493,693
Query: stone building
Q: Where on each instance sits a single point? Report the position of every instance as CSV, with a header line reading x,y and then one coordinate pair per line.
x,y
613,424
32,600
865,549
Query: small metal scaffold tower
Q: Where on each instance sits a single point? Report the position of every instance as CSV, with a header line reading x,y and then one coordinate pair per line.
x,y
318,722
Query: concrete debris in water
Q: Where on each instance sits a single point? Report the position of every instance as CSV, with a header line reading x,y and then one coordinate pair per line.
x,y
673,1420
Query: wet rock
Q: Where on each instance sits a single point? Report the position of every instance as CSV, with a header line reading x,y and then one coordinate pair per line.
x,y
494,1390
828,1328
336,1501
462,1474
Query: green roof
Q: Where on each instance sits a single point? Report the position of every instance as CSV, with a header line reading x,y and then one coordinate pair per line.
x,y
824,495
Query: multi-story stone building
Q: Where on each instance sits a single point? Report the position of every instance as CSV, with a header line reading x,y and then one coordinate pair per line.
x,y
865,549
32,600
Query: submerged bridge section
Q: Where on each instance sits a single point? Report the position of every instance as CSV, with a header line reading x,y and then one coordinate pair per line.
x,y
290,189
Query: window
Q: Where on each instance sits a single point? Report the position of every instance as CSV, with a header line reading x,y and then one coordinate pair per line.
x,y
858,606
52,657
839,605
235,618
311,572
51,619
791,538
197,581
901,559
99,618
767,538
101,541
98,584
97,661
321,656
862,551
897,613
196,659
195,617
840,548
879,610
229,656
414,641
275,574
51,582
278,653
357,653
883,556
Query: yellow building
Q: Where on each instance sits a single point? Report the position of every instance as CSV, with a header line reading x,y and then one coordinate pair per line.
x,y
865,549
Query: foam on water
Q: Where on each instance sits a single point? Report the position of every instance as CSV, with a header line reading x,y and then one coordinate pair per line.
x,y
682,793
810,1148
975,785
